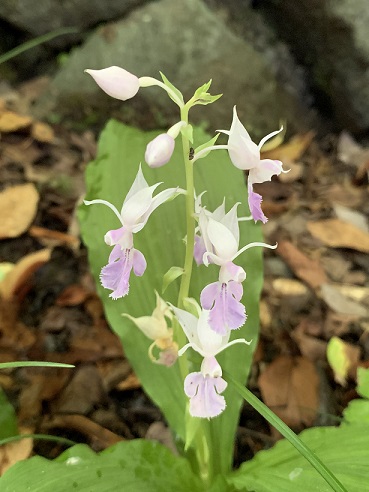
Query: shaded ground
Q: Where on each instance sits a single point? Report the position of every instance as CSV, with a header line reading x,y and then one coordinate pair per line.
x,y
316,288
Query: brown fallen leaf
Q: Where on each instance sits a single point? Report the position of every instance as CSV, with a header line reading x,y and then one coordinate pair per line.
x,y
100,437
292,150
15,451
42,132
131,382
306,269
18,205
341,304
56,236
338,234
289,386
289,287
11,122
16,281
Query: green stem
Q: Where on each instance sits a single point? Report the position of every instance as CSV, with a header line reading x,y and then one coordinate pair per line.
x,y
201,442
276,422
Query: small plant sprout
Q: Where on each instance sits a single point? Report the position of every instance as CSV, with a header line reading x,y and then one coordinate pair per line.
x,y
196,352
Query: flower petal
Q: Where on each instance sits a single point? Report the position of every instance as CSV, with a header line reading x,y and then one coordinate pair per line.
x,y
265,170
255,205
205,400
224,242
120,236
243,152
226,312
199,250
230,220
230,271
189,325
211,342
134,209
115,275
139,263
138,184
116,82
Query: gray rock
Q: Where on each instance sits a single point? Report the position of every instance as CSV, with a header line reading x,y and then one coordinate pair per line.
x,y
48,15
191,44
332,37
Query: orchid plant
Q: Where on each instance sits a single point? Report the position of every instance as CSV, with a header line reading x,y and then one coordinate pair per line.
x,y
204,326
192,351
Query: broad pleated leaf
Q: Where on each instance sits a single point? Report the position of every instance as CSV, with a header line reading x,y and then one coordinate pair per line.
x,y
128,466
344,450
109,177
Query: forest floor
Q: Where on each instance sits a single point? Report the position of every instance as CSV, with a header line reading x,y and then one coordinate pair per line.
x,y
315,295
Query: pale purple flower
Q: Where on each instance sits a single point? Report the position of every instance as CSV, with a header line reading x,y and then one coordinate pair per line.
x,y
137,207
245,155
204,388
218,244
222,299
116,82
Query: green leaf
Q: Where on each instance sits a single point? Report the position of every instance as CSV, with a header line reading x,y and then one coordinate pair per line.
x,y
32,363
207,144
338,359
177,92
202,96
36,41
187,131
132,466
288,433
173,273
363,382
109,177
357,411
344,450
8,419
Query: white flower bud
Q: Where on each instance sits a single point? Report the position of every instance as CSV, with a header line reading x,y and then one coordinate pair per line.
x,y
159,151
116,82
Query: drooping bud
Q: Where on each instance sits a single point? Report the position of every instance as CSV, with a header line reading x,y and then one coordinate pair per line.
x,y
160,150
116,82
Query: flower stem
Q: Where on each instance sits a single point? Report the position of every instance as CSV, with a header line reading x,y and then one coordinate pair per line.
x,y
201,443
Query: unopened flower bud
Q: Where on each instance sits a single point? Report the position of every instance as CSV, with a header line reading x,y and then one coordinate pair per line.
x,y
116,82
159,151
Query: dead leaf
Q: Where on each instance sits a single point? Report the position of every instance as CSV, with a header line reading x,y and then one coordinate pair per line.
x,y
18,205
131,382
351,216
73,295
289,386
100,437
295,172
15,451
339,234
18,277
11,122
291,151
42,132
54,236
308,270
289,287
340,303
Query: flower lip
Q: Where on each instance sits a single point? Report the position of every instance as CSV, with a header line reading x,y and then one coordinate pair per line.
x,y
116,82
